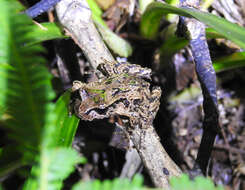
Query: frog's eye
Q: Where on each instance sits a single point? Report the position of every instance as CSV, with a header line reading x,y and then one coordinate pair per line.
x,y
83,95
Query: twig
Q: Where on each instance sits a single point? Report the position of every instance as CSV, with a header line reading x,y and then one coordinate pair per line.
x,y
132,164
207,78
75,16
40,7
157,161
226,148
229,149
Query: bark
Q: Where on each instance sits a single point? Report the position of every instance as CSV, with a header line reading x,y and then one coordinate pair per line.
x,y
157,161
207,78
75,16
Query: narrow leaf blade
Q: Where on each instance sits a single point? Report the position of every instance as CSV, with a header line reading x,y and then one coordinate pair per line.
x,y
155,11
66,125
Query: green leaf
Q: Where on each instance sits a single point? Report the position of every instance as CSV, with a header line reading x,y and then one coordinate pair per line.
x,y
172,45
181,183
56,165
36,125
143,4
172,2
56,161
116,184
151,20
10,160
117,44
137,181
235,60
199,183
211,34
25,83
205,4
66,125
171,17
96,11
43,32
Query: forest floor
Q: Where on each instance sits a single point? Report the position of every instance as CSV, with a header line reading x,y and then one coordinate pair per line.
x,y
179,120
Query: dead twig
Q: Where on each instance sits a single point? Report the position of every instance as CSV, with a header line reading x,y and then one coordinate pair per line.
x,y
75,16
207,78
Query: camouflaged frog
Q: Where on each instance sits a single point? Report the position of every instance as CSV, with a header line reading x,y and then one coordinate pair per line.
x,y
123,91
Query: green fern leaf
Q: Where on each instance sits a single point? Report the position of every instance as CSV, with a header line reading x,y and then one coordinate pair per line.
x,y
26,93
116,184
199,183
56,165
38,126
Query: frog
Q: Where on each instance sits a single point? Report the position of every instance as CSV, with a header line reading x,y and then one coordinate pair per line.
x,y
124,90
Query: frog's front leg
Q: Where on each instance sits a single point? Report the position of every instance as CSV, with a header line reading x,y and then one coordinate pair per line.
x,y
154,103
149,107
155,99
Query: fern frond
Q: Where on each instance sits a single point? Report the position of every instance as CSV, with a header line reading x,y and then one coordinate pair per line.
x,y
199,183
56,165
26,93
116,184
56,161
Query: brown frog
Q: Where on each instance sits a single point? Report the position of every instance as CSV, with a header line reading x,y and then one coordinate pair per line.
x,y
123,91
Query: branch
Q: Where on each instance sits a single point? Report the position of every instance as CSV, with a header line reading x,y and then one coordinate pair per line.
x,y
155,158
41,7
207,79
75,16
